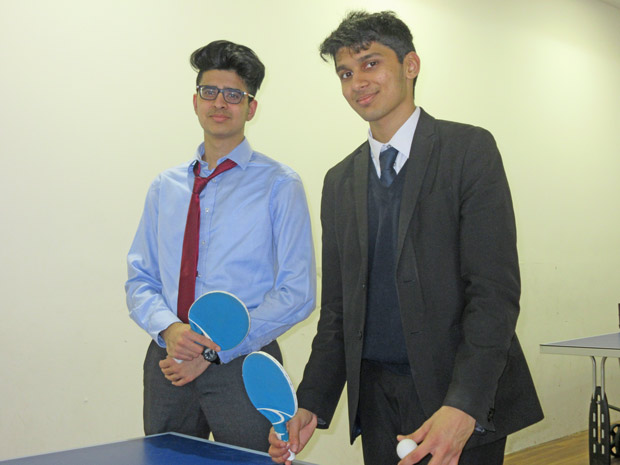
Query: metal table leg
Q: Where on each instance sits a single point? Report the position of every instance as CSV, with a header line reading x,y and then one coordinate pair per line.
x,y
599,419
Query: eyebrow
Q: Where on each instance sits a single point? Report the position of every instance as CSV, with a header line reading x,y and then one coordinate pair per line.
x,y
360,60
220,88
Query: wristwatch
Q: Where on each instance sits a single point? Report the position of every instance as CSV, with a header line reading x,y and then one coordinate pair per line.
x,y
211,355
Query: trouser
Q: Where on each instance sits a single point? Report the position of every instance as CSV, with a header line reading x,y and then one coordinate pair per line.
x,y
215,402
389,406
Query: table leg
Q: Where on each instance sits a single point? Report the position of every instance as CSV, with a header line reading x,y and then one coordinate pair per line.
x,y
599,419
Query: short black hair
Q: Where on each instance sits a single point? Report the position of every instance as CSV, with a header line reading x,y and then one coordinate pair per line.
x,y
360,28
225,55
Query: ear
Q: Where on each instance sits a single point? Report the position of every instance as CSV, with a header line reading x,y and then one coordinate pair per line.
x,y
196,103
252,109
412,65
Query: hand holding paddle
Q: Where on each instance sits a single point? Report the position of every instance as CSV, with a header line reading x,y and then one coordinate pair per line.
x,y
270,390
183,344
222,318
300,429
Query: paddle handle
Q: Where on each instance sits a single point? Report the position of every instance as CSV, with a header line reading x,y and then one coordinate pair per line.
x,y
282,433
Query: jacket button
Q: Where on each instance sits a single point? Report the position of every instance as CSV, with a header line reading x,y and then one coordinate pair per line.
x,y
359,334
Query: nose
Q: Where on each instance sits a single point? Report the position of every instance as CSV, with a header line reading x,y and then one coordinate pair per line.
x,y
358,81
219,101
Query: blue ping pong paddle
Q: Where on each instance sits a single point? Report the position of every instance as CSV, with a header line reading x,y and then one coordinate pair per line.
x,y
220,316
270,390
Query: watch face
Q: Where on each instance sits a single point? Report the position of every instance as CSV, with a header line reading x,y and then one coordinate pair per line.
x,y
210,355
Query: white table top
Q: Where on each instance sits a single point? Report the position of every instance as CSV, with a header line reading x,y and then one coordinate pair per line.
x,y
605,345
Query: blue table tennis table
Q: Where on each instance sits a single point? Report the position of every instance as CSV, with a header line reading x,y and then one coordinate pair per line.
x,y
159,449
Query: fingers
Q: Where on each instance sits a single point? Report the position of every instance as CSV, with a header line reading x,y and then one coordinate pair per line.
x,y
204,341
289,458
420,434
417,454
176,341
443,436
185,344
418,437
278,449
179,374
192,345
182,382
300,430
293,427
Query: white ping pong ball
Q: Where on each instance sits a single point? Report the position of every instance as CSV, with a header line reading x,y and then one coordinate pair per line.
x,y
405,447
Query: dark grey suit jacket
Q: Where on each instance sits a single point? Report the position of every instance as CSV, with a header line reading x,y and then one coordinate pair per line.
x,y
457,276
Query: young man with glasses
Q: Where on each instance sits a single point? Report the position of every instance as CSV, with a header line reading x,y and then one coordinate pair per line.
x,y
254,241
421,286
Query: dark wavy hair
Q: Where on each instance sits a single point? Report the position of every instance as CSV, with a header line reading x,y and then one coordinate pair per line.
x,y
225,55
360,28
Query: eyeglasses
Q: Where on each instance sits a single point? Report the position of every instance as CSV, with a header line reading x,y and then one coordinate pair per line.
x,y
230,95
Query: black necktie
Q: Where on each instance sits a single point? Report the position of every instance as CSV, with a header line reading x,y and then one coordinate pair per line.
x,y
386,160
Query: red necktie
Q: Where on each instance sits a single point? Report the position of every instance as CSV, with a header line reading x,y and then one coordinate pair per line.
x,y
189,259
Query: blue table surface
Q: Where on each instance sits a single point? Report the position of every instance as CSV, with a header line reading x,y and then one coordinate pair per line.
x,y
163,449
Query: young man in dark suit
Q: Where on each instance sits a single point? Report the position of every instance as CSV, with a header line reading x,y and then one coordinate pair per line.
x,y
421,283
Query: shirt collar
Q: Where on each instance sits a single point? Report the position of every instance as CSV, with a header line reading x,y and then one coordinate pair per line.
x,y
401,141
241,155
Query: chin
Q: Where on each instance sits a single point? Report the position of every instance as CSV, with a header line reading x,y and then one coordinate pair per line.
x,y
368,116
363,112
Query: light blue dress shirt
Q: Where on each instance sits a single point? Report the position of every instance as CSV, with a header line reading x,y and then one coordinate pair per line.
x,y
255,242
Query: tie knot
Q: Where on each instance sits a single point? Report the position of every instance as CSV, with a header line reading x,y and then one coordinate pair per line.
x,y
387,158
200,182
386,161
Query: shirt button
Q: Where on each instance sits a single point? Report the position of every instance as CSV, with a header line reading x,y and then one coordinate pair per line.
x,y
203,242
206,210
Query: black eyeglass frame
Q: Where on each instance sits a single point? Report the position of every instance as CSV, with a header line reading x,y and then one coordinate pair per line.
x,y
224,93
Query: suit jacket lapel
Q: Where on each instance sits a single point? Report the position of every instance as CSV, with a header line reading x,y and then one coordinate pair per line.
x,y
360,190
419,157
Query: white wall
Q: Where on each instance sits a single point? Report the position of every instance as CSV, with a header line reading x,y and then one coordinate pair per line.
x,y
95,100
